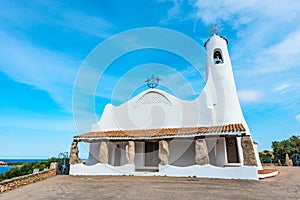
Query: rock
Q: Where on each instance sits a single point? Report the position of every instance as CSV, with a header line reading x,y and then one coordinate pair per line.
x,y
74,159
201,157
54,165
130,152
163,152
279,162
248,151
288,161
103,153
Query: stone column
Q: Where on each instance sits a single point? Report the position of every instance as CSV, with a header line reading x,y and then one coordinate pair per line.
x,y
288,161
201,152
248,151
74,159
163,152
130,152
103,153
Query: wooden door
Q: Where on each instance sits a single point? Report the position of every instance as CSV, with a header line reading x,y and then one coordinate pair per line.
x,y
151,154
117,158
232,150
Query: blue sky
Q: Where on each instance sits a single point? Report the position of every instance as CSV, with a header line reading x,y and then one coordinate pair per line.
x,y
43,43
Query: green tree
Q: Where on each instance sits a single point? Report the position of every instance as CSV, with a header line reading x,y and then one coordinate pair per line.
x,y
290,146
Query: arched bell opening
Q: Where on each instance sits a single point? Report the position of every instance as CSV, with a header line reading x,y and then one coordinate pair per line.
x,y
218,58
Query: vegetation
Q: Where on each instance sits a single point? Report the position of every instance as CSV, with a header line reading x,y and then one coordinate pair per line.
x,y
266,156
27,168
290,146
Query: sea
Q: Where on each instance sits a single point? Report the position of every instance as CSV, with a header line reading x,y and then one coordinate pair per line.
x,y
4,169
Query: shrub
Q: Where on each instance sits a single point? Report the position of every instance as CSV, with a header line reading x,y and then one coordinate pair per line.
x,y
27,168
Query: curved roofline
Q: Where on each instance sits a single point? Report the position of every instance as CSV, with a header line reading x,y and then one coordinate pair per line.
x,y
161,92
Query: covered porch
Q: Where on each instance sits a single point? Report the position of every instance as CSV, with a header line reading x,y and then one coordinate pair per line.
x,y
215,152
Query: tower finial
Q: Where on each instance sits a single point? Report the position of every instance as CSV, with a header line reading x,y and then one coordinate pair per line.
x,y
214,30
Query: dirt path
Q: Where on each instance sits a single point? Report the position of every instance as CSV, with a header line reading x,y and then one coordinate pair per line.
x,y
284,186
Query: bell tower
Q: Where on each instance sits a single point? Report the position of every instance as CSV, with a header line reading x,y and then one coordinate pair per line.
x,y
224,102
220,81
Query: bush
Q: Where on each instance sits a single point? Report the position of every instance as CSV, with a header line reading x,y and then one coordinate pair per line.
x,y
27,168
290,146
266,157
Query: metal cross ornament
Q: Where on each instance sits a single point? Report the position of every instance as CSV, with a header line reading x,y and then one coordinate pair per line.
x,y
153,81
214,30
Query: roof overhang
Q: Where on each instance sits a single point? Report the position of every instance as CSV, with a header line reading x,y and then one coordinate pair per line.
x,y
164,133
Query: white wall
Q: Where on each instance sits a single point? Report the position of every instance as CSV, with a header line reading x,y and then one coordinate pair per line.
x,y
240,150
112,148
182,152
93,153
139,155
114,156
209,171
155,108
204,171
111,153
259,166
211,148
221,157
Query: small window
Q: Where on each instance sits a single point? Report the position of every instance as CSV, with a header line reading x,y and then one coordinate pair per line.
x,y
218,59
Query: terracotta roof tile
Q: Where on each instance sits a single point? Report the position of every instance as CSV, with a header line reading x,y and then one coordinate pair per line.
x,y
141,133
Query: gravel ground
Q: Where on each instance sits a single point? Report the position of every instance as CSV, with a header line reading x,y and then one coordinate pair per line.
x,y
286,185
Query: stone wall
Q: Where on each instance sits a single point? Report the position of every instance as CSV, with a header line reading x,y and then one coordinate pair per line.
x,y
16,182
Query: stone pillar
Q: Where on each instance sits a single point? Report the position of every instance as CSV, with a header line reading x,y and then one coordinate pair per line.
x,y
54,165
130,152
288,161
201,152
248,151
163,152
74,159
103,153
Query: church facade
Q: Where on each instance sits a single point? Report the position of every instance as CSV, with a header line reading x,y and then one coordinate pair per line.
x,y
156,133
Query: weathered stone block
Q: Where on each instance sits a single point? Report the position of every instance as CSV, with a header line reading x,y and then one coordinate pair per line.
x,y
163,152
201,152
130,152
74,159
103,153
248,151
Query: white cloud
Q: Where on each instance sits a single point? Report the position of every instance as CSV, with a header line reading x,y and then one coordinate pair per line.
x,y
280,57
238,12
174,11
249,95
88,24
282,88
47,70
53,13
297,117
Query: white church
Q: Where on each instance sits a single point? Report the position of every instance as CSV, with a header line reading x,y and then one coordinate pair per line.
x,y
207,137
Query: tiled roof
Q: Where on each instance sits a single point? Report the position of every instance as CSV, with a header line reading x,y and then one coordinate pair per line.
x,y
164,132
